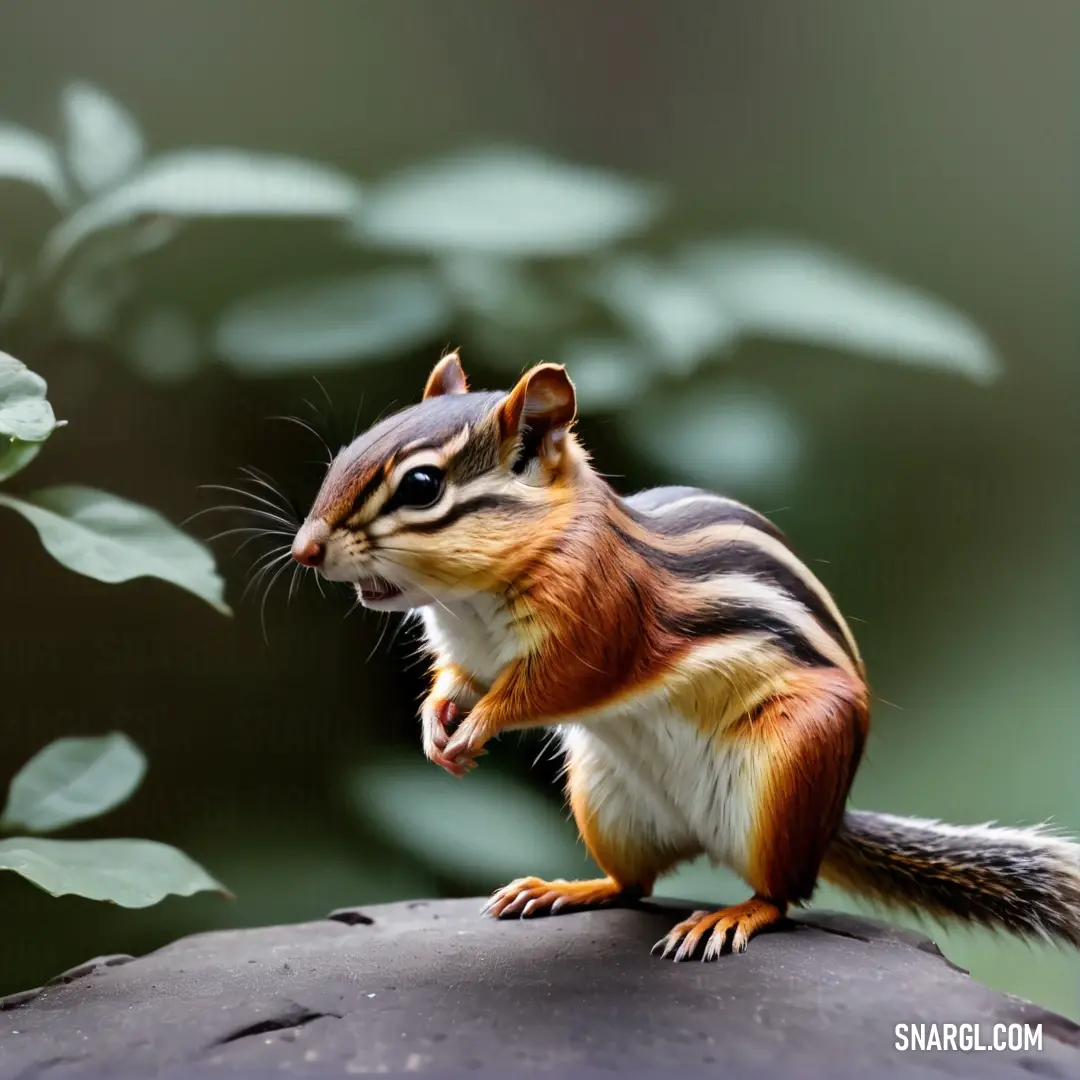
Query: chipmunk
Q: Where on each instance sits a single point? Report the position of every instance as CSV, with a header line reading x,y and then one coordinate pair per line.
x,y
707,691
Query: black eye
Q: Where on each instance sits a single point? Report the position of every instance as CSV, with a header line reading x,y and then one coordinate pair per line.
x,y
419,488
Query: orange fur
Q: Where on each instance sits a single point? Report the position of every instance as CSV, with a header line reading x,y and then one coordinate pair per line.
x,y
811,738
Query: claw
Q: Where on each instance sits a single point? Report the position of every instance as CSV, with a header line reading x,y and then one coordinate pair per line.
x,y
739,923
530,897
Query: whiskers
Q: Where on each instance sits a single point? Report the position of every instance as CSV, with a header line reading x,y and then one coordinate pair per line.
x,y
275,519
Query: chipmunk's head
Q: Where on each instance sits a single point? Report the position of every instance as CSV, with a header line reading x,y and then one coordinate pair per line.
x,y
447,497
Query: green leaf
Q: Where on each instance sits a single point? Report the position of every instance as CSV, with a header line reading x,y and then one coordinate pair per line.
x,y
164,345
737,438
131,873
792,291
104,143
25,413
71,780
110,539
14,292
671,311
31,158
212,183
332,322
511,202
483,828
15,455
103,275
607,374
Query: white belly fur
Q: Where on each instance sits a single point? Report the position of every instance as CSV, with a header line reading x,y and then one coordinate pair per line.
x,y
654,778
651,774
476,635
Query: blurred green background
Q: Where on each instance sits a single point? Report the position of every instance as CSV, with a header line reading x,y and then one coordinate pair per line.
x,y
750,229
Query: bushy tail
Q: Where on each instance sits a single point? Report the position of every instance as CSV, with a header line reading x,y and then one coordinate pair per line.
x,y
1025,881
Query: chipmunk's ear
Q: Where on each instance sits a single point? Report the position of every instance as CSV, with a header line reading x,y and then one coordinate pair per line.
x,y
447,377
540,409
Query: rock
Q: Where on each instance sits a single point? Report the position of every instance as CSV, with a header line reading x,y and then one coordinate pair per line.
x,y
433,987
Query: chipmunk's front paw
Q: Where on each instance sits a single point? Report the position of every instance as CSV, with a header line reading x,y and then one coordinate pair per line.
x,y
440,718
442,721
466,744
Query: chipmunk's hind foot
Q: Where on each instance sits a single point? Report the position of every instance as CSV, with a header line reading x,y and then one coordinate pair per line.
x,y
531,896
727,930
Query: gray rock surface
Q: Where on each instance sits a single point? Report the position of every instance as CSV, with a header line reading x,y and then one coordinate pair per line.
x,y
432,987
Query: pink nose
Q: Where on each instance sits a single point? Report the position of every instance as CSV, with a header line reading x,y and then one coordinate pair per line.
x,y
308,548
308,554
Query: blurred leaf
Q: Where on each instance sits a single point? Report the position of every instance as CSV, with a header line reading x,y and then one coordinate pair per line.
x,y
212,183
89,300
511,202
793,291
165,345
104,143
71,780
737,438
14,290
500,289
485,828
102,275
31,158
334,321
15,455
670,310
325,869
607,374
131,873
110,539
25,413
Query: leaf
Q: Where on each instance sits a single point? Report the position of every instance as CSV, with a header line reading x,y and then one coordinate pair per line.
x,y
14,292
15,455
131,873
110,539
212,183
89,300
738,439
607,374
25,412
103,275
513,202
165,345
71,780
670,310
31,158
486,827
104,143
795,292
334,321
500,290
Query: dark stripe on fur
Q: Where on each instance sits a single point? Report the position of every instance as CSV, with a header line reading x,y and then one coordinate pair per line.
x,y
368,489
738,557
1032,890
460,510
725,619
706,509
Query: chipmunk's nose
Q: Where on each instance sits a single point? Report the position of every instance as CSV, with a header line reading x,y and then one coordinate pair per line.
x,y
309,545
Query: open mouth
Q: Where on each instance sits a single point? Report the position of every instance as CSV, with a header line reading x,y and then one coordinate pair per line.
x,y
375,589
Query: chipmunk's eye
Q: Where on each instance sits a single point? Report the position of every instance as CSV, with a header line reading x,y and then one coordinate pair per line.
x,y
418,489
